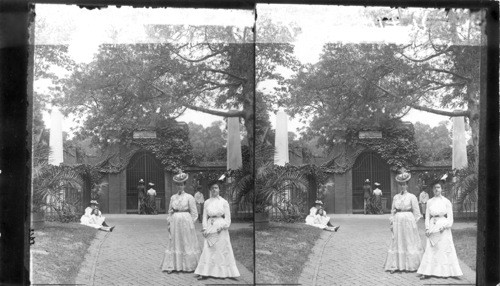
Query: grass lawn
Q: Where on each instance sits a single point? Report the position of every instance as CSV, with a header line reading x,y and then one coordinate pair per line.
x,y
465,241
58,251
242,242
282,249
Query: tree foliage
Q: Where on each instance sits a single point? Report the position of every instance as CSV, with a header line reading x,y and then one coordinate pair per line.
x,y
434,143
208,142
369,85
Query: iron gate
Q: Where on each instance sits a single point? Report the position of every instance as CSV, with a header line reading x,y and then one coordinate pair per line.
x,y
370,165
143,165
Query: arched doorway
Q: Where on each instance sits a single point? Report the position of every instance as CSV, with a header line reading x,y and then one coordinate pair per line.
x,y
369,165
143,165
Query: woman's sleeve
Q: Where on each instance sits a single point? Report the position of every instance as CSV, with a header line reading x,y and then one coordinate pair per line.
x,y
312,211
393,210
427,216
170,209
205,215
449,214
88,212
227,214
415,208
192,208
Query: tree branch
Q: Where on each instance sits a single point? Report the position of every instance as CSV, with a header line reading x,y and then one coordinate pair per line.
x,y
451,73
237,113
226,73
442,84
427,58
197,108
428,109
465,113
197,60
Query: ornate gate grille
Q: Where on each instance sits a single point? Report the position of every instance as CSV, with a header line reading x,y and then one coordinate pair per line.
x,y
370,165
144,165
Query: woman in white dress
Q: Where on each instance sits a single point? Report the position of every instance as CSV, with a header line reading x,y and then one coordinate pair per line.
x,y
94,218
440,258
217,258
405,250
317,217
183,250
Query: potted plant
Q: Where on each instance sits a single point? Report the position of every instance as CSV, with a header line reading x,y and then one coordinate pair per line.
x,y
49,183
37,211
41,153
270,182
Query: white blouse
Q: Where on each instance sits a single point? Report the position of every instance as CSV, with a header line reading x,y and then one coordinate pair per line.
x,y
183,202
438,207
405,202
216,207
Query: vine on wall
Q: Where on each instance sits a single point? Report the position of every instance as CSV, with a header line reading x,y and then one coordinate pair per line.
x,y
397,145
171,146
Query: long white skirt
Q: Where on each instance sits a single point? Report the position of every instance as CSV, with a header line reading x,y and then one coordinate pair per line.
x,y
218,260
317,221
440,258
182,252
95,221
405,250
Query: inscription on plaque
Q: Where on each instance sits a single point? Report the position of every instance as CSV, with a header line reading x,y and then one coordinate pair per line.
x,y
370,134
144,134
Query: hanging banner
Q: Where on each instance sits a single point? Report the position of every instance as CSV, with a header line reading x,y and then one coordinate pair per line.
x,y
234,160
281,139
459,159
56,156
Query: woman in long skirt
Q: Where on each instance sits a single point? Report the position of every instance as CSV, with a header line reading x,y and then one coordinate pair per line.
x,y
377,199
183,251
440,258
150,200
405,250
217,258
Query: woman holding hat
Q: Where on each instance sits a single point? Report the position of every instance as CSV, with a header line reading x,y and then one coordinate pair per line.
x,y
217,258
440,258
93,217
183,250
317,217
405,250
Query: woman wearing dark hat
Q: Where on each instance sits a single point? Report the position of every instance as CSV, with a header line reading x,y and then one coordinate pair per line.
x,y
405,251
141,193
93,217
367,195
440,258
317,217
217,258
183,250
150,206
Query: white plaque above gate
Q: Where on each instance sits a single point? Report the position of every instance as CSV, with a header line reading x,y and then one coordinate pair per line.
x,y
370,134
144,134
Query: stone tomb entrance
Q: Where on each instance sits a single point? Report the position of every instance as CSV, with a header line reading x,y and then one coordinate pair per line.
x,y
144,165
370,165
